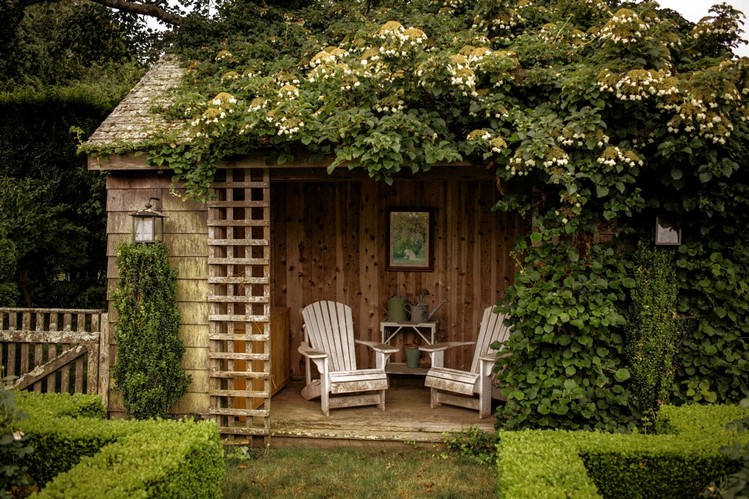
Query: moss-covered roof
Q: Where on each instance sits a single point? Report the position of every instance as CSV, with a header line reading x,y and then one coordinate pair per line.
x,y
133,120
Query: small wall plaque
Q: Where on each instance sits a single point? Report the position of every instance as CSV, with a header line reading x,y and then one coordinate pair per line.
x,y
666,233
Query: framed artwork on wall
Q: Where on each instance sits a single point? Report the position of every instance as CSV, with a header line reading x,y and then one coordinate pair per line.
x,y
410,234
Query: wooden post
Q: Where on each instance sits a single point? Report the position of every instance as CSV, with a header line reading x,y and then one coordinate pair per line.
x,y
103,382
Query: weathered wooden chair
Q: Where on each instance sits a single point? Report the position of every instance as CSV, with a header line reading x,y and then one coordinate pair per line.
x,y
329,343
456,387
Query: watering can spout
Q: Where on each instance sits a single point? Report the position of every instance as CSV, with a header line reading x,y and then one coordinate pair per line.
x,y
444,300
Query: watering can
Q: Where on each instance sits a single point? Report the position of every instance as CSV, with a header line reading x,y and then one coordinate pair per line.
x,y
397,307
420,310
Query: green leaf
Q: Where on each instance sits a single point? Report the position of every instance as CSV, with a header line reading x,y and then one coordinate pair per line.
x,y
622,374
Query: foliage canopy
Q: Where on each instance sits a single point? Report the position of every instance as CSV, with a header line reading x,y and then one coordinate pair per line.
x,y
595,115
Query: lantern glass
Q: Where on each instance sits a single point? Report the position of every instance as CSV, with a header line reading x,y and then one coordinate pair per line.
x,y
143,229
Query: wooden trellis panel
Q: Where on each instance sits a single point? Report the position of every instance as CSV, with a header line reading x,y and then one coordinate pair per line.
x,y
239,300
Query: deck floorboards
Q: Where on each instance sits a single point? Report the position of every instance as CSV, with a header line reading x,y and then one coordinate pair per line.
x,y
407,419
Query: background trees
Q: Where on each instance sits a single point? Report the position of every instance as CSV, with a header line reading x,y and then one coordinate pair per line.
x,y
68,66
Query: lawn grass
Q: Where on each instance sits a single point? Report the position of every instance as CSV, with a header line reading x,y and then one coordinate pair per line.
x,y
355,473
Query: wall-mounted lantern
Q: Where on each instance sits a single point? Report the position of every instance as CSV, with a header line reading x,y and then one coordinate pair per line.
x,y
148,223
666,233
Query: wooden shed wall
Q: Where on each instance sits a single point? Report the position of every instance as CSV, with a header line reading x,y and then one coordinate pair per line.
x,y
329,242
185,234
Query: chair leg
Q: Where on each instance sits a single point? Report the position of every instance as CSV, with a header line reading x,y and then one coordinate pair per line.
x,y
381,405
485,405
434,400
325,402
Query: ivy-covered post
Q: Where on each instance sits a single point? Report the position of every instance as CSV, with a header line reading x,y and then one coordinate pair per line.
x,y
149,369
652,331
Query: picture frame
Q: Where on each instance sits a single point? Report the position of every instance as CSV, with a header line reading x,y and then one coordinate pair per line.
x,y
410,239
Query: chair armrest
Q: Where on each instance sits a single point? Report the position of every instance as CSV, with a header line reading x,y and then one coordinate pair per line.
x,y
441,347
377,346
310,352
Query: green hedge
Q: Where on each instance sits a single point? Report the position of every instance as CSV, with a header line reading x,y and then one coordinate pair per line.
x,y
678,463
77,453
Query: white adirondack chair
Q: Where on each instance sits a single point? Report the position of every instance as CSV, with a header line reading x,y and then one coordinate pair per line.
x,y
456,387
329,343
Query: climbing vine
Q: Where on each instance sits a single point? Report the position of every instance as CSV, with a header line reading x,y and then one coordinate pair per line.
x,y
595,115
148,370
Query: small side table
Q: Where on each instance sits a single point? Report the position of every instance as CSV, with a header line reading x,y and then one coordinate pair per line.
x,y
388,330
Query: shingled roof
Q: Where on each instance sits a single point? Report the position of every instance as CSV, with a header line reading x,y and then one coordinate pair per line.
x,y
133,121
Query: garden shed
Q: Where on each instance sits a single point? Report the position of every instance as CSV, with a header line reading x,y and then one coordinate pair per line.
x,y
274,238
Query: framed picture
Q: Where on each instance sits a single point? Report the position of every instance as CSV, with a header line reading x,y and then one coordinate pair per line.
x,y
410,234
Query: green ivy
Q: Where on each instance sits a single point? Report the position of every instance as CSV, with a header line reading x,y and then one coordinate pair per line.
x,y
148,370
567,368
714,289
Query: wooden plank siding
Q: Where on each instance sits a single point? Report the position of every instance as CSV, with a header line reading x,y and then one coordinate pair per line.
x,y
185,236
329,242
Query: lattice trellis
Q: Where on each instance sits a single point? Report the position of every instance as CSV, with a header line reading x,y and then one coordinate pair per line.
x,y
239,300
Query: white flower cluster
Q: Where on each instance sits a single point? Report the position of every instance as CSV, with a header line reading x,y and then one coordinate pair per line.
x,y
257,104
597,4
570,138
230,76
709,27
555,156
223,99
623,28
638,84
503,22
707,124
612,156
213,117
284,124
390,104
288,91
398,40
223,54
461,74
487,140
452,5
329,55
519,166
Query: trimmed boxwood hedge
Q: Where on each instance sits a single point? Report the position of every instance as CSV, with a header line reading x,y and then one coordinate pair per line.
x,y
77,453
678,462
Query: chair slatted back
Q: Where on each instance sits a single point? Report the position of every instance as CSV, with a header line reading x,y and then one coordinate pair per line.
x,y
493,328
329,327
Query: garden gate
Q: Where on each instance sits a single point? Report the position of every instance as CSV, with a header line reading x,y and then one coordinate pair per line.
x,y
55,350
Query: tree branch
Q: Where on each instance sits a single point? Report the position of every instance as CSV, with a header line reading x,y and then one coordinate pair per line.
x,y
150,10
143,9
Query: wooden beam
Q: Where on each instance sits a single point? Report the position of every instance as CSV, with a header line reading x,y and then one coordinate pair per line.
x,y
27,336
47,368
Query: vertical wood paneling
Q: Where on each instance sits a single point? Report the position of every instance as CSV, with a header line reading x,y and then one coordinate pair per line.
x,y
330,244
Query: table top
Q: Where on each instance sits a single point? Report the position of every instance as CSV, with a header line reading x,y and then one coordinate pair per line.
x,y
412,324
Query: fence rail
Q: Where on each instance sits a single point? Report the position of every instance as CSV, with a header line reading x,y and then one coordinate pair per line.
x,y
55,350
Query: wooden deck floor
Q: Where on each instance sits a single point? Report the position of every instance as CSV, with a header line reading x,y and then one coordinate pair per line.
x,y
407,419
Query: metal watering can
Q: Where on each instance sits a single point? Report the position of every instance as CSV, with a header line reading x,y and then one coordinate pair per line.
x,y
420,310
397,307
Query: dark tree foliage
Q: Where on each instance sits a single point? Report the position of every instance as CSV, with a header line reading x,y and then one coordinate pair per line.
x,y
51,207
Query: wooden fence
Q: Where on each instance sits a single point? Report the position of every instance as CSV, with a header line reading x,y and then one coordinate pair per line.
x,y
55,350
